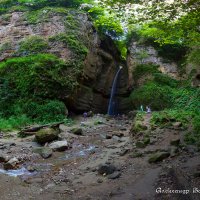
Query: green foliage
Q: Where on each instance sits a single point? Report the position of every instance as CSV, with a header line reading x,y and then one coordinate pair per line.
x,y
21,5
72,42
41,76
51,110
163,79
5,46
186,98
107,24
33,45
122,46
194,57
144,69
23,113
14,122
152,94
7,98
167,117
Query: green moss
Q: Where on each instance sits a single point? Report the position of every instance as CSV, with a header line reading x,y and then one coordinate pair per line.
x,y
6,17
144,69
166,118
33,45
5,46
41,75
72,42
14,122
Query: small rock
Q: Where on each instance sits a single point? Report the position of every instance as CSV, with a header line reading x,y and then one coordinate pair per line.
x,y
146,140
118,134
11,164
114,175
108,136
116,138
173,151
31,168
124,152
159,156
123,129
99,180
140,144
106,169
77,131
59,145
175,142
4,158
177,125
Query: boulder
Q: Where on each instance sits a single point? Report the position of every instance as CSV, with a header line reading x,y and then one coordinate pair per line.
x,y
159,156
106,169
46,135
11,164
114,175
59,145
77,131
45,152
3,158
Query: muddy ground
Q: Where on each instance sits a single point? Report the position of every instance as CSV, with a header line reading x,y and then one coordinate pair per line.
x,y
74,175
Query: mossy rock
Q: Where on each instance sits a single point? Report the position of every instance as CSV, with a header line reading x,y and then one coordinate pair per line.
x,y
146,140
137,127
159,156
140,144
46,135
77,131
136,155
98,122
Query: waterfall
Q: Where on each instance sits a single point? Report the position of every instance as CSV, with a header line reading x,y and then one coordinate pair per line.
x,y
112,103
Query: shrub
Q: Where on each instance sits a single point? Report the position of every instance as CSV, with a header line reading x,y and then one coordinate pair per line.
x,y
151,94
168,117
14,122
49,110
144,69
40,76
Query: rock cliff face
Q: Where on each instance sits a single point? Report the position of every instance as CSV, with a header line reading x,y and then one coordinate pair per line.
x,y
100,64
146,54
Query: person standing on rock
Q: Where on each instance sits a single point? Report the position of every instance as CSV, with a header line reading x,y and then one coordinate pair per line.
x,y
148,109
85,114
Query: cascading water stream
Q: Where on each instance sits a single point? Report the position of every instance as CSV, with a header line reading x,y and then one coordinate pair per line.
x,y
111,105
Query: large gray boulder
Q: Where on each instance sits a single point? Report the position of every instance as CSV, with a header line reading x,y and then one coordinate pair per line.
x,y
59,145
46,135
45,152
